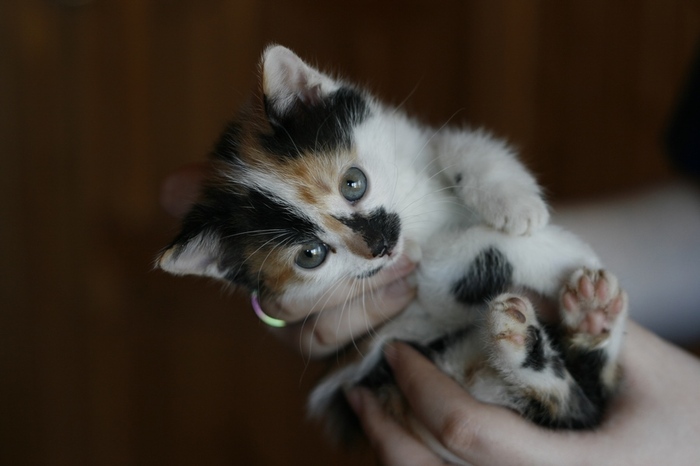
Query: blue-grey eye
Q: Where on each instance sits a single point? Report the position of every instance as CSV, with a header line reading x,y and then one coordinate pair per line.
x,y
353,185
312,254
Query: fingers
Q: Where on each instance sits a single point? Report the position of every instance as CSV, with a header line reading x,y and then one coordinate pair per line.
x,y
475,431
341,326
324,332
343,293
180,189
393,444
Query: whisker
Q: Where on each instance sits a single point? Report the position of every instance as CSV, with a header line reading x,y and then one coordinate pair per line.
x,y
435,133
327,294
255,233
262,264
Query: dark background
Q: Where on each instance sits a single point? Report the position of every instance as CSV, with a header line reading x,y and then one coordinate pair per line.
x,y
104,361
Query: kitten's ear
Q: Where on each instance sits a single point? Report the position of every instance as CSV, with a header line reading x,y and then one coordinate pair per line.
x,y
287,80
193,256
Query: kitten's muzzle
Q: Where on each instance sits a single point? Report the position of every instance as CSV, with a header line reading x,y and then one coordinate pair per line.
x,y
380,230
383,247
383,252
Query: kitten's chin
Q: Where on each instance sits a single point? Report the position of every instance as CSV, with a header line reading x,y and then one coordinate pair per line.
x,y
383,262
370,273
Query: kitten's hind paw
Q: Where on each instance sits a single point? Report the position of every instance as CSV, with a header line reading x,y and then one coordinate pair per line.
x,y
512,326
592,305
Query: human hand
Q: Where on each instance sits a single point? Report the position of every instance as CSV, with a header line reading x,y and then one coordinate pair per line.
x,y
347,313
654,420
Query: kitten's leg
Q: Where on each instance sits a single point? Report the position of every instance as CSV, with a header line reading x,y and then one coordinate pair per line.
x,y
488,176
520,348
593,311
537,382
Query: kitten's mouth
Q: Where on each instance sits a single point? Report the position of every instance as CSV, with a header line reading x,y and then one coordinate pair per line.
x,y
370,273
391,257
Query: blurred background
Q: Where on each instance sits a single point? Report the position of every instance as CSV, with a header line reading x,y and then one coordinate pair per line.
x,y
104,361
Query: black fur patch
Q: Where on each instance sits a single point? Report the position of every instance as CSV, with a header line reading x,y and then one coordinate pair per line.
x,y
558,367
244,219
535,358
578,413
228,146
586,366
588,397
371,273
537,412
379,376
321,127
585,413
380,230
489,275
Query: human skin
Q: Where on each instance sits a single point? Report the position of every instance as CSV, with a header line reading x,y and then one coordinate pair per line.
x,y
654,420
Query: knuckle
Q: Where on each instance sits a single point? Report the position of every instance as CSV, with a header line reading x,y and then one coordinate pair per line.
x,y
311,347
325,337
321,336
458,433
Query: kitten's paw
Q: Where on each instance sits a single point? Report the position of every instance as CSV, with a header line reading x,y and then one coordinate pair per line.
x,y
592,304
521,352
512,326
516,214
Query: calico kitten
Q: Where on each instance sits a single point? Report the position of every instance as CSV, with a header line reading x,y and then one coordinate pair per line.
x,y
315,181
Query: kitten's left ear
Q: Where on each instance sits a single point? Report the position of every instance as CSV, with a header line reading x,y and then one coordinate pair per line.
x,y
194,256
287,80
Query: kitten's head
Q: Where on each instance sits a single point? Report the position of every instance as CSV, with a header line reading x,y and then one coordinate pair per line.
x,y
294,204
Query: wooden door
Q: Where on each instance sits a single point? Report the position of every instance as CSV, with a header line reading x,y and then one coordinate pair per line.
x,y
104,360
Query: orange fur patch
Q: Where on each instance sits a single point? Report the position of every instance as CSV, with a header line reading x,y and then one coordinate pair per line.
x,y
275,271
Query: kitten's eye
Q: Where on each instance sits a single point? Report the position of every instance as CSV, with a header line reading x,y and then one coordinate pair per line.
x,y
353,185
312,255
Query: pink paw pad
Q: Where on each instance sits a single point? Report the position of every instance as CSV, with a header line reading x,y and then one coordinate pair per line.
x,y
516,309
592,301
509,318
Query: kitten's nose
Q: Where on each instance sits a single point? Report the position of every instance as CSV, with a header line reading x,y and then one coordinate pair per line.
x,y
380,241
379,230
381,249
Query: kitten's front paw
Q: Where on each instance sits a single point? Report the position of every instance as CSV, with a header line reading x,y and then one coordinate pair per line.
x,y
592,306
516,214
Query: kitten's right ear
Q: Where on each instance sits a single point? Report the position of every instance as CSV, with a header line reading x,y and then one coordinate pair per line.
x,y
286,80
192,256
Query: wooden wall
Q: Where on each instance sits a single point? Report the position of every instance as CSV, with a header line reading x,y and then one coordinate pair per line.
x,y
104,361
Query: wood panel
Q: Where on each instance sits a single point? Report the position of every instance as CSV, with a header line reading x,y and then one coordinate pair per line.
x,y
106,361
